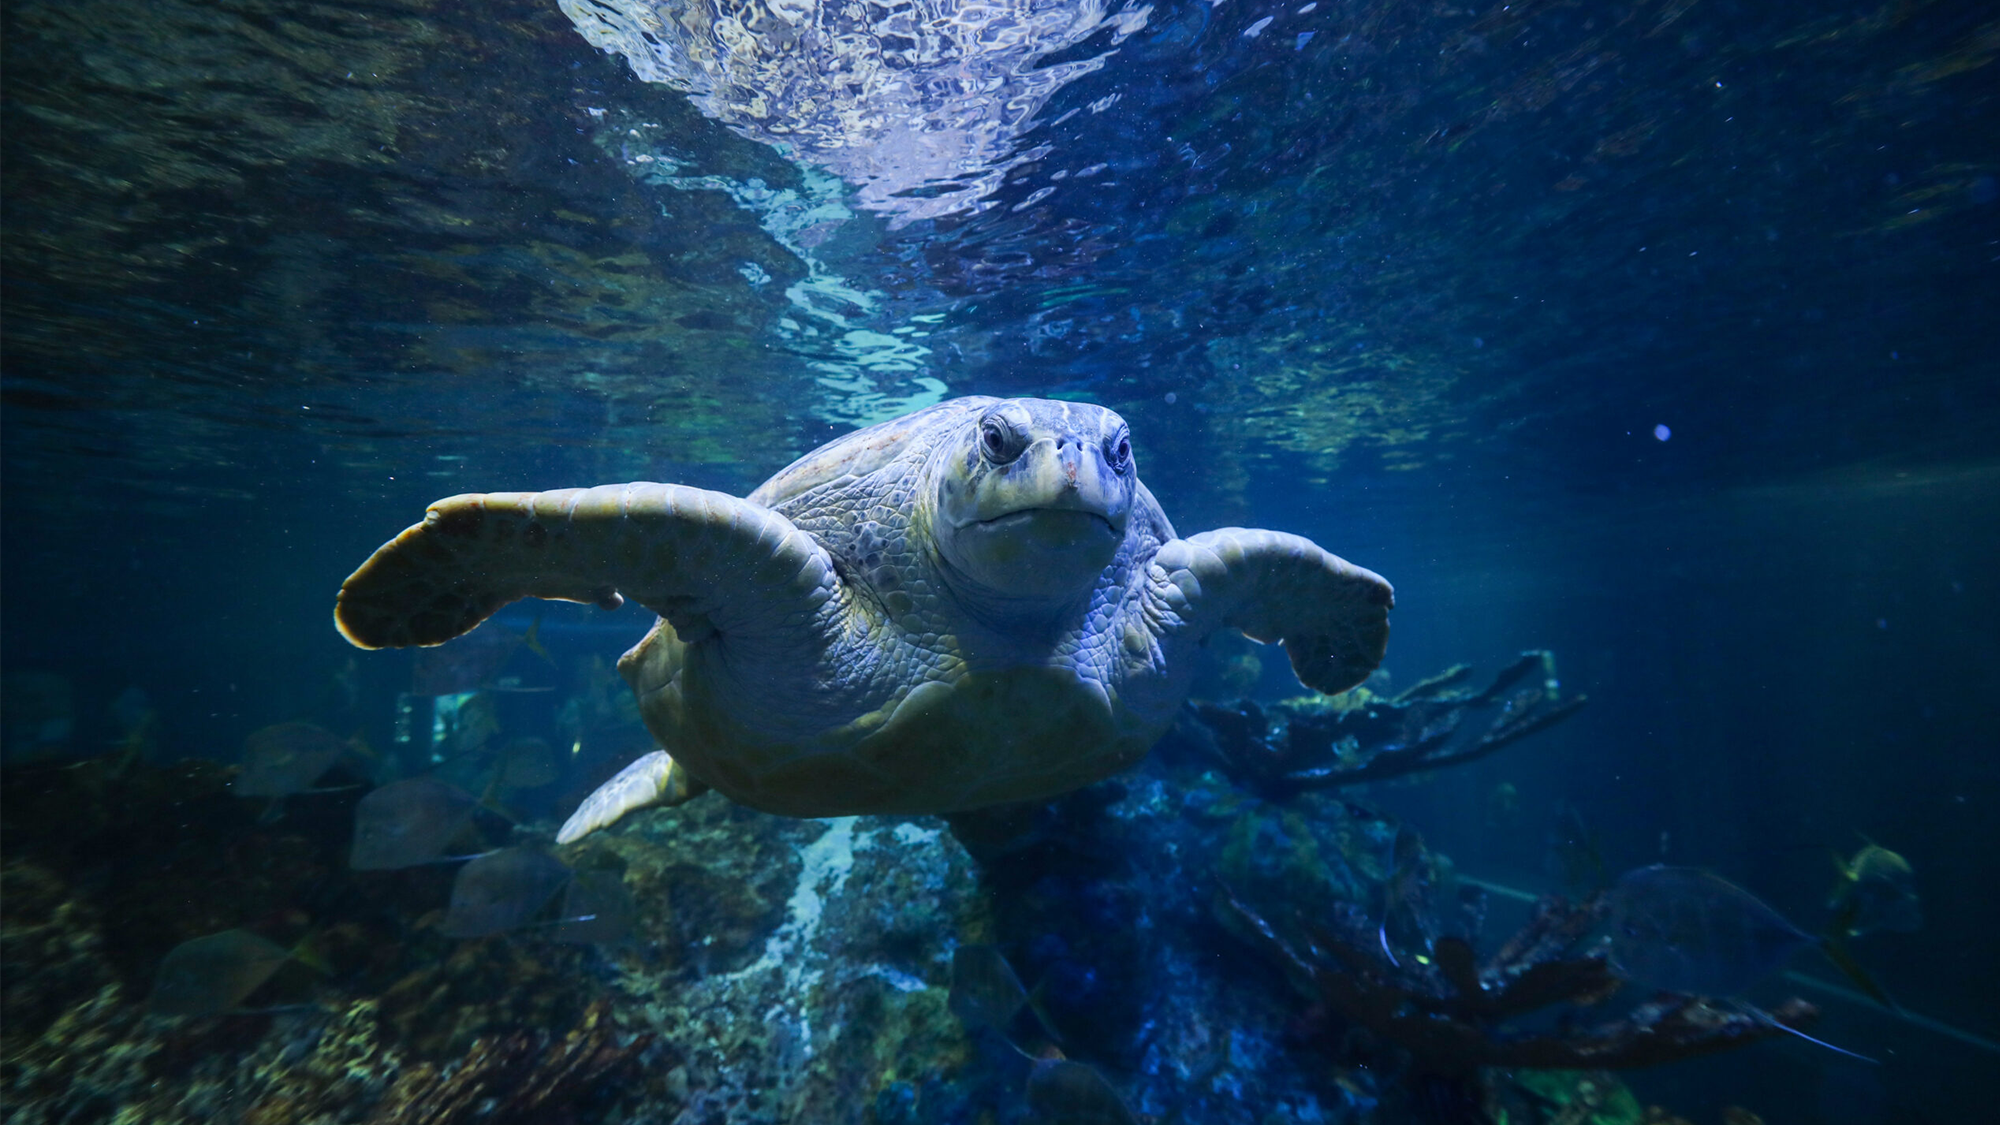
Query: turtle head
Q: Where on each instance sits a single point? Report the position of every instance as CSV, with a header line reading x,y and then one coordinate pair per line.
x,y
1034,497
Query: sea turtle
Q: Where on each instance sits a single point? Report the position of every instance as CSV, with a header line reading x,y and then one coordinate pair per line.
x,y
974,604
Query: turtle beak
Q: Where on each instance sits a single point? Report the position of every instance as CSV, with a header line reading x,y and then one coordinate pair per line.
x,y
1085,483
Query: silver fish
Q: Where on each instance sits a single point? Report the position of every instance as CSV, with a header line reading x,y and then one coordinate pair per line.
x,y
407,823
501,890
1683,929
210,975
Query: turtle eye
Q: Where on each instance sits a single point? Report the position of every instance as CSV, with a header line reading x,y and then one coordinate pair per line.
x,y
999,441
1118,453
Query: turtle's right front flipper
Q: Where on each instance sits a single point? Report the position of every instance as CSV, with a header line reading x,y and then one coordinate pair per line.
x,y
1332,616
700,559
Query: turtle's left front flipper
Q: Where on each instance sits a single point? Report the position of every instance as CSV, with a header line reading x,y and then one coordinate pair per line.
x,y
706,561
1332,616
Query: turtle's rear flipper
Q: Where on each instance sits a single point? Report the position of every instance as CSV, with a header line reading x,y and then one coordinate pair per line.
x,y
654,780
703,560
1332,616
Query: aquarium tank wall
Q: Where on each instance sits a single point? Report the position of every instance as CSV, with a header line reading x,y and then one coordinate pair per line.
x,y
932,561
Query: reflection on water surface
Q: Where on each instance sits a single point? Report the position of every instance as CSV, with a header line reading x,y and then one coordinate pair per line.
x,y
917,104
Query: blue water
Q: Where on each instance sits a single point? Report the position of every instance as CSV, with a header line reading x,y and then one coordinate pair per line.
x,y
1660,337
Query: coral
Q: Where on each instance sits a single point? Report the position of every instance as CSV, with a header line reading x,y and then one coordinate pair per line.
x,y
51,946
1452,1014
349,1064
79,1046
774,966
455,994
775,969
522,1076
1098,907
1360,736
803,964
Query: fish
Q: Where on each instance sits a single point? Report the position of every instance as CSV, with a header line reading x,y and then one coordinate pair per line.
x,y
406,823
1067,1092
1684,929
1877,891
596,909
526,763
986,993
984,990
210,975
1688,930
521,764
501,890
532,641
468,721
600,704
286,758
465,664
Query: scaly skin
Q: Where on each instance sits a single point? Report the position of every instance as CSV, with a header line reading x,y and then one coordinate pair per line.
x,y
975,604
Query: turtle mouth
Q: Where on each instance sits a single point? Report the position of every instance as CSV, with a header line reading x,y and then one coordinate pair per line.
x,y
1072,520
1044,553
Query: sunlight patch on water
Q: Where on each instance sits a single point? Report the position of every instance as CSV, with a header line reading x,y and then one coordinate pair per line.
x,y
917,103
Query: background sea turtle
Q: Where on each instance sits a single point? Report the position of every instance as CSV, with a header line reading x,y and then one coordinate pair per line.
x,y
974,604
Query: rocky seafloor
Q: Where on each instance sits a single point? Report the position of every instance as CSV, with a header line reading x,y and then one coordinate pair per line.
x,y
774,970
